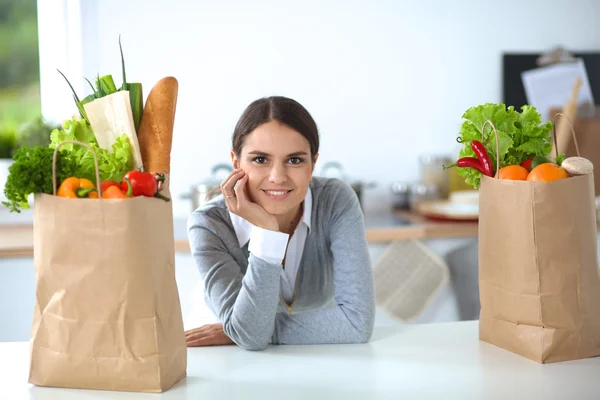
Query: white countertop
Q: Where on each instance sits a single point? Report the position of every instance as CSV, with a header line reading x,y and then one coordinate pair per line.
x,y
445,361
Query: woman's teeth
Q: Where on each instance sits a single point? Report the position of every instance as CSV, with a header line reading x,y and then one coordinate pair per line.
x,y
276,192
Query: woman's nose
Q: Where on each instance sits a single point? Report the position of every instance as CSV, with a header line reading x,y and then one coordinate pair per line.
x,y
277,174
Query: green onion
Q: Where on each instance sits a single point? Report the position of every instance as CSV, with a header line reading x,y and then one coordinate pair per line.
x,y
75,97
107,84
79,105
92,86
87,99
137,102
99,89
122,65
135,93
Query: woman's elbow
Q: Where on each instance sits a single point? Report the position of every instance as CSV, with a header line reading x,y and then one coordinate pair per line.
x,y
251,341
253,345
363,334
364,330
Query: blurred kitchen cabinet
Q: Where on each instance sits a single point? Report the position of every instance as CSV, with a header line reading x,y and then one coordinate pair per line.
x,y
17,298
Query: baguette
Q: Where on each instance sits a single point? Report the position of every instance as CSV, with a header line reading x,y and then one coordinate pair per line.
x,y
155,134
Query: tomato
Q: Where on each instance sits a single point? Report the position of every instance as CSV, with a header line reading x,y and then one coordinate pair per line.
x,y
142,183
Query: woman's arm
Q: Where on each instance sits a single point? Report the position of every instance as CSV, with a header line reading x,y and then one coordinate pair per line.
x,y
352,317
245,304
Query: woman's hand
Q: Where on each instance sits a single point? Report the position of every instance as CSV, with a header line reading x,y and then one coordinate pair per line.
x,y
234,191
207,335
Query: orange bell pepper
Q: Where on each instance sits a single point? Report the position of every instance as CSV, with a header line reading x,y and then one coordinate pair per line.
x,y
115,192
76,188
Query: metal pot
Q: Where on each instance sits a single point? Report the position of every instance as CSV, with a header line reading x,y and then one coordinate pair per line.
x,y
357,186
207,189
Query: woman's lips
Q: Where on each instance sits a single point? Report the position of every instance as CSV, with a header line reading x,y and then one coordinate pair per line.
x,y
277,194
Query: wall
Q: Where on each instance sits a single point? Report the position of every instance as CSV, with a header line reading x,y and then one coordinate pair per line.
x,y
385,80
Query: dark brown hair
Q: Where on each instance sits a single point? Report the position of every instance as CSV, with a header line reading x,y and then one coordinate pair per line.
x,y
276,108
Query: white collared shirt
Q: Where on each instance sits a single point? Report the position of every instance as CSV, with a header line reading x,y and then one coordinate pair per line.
x,y
271,246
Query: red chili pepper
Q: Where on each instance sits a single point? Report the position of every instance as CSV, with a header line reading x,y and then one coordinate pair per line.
x,y
470,162
483,157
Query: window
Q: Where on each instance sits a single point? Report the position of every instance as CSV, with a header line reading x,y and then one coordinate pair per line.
x,y
20,105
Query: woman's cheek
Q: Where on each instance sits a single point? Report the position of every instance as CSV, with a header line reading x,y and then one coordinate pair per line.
x,y
251,188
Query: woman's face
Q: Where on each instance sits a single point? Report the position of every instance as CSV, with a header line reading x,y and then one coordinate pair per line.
x,y
278,163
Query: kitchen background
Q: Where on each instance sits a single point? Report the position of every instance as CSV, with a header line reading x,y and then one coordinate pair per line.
x,y
386,81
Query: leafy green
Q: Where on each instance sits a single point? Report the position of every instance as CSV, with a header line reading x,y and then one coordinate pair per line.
x,y
32,173
521,136
32,170
72,129
113,164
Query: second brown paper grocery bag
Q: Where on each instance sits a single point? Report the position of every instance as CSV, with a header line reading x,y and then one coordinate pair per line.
x,y
538,268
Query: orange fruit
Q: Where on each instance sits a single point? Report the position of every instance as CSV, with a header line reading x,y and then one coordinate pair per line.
x,y
513,173
547,172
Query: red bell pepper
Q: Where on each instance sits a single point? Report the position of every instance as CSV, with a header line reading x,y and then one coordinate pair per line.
x,y
115,191
108,183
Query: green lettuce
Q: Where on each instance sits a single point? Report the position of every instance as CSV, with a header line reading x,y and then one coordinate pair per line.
x,y
113,164
521,136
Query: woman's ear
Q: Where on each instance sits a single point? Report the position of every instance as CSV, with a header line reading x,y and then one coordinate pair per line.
x,y
234,161
314,161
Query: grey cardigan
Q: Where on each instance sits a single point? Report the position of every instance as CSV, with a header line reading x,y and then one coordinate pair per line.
x,y
334,299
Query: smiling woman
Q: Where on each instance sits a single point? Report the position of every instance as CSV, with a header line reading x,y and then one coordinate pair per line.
x,y
282,254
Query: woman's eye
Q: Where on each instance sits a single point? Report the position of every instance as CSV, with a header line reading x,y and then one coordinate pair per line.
x,y
260,160
296,160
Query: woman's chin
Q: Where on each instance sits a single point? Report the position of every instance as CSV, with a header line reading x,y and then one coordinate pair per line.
x,y
277,207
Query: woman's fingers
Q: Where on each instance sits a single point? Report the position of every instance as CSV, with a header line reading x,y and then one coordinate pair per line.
x,y
203,341
240,190
207,335
196,331
229,182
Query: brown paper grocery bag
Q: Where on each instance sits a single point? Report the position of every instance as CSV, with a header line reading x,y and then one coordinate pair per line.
x,y
107,312
538,268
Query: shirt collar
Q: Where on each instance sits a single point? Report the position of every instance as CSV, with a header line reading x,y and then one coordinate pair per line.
x,y
243,228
